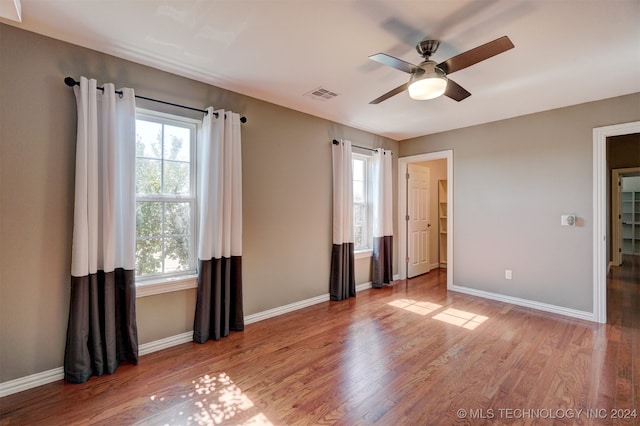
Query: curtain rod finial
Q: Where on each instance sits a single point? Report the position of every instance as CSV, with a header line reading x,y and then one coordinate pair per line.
x,y
69,81
335,142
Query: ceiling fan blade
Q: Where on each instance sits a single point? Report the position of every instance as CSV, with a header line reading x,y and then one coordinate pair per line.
x,y
478,54
394,92
396,63
455,91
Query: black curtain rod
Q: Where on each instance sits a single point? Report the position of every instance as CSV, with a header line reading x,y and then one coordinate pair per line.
x,y
337,142
69,81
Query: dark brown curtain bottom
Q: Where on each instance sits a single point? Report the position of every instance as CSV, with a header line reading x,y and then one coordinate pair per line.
x,y
102,328
219,299
342,281
381,265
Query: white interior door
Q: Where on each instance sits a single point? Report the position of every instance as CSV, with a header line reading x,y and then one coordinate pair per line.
x,y
418,226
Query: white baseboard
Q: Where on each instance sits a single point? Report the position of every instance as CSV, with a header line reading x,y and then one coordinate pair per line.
x,y
167,342
45,377
568,312
32,381
270,313
363,286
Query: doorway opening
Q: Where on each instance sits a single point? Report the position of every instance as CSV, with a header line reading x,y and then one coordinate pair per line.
x,y
440,245
602,222
623,277
624,223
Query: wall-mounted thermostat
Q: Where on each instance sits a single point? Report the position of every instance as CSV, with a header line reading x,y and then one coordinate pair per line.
x,y
568,220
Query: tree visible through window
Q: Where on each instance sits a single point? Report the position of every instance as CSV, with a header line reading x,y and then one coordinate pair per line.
x,y
165,196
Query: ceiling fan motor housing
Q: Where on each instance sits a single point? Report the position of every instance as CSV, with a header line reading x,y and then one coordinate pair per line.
x,y
431,70
426,48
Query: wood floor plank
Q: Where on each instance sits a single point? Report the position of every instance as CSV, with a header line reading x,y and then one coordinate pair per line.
x,y
406,354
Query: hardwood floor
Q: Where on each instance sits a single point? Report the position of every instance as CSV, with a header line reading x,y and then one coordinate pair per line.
x,y
408,354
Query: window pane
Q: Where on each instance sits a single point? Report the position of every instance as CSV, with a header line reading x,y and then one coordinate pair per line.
x,y
176,178
358,169
177,252
358,237
148,219
359,214
177,219
148,139
148,176
177,141
148,256
358,192
361,232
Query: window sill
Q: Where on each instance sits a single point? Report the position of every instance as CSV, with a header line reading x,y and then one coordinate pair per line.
x,y
166,285
361,254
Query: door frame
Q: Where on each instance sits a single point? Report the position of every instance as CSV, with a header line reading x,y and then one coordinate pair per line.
x,y
402,209
600,260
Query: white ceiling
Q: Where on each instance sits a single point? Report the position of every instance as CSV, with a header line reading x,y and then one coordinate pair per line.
x,y
566,52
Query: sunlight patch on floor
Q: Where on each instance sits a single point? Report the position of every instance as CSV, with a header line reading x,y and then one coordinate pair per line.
x,y
463,319
421,308
226,401
217,400
460,318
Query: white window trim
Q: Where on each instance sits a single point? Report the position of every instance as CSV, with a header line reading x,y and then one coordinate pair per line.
x,y
362,254
166,283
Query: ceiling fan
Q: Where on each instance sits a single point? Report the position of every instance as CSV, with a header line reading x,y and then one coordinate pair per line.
x,y
429,79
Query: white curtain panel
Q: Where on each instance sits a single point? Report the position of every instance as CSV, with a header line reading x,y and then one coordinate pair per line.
x,y
342,278
219,296
382,200
102,321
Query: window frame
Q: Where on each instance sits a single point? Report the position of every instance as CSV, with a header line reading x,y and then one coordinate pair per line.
x,y
177,280
361,252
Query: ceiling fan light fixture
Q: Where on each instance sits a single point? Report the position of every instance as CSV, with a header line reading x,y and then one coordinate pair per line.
x,y
428,85
427,88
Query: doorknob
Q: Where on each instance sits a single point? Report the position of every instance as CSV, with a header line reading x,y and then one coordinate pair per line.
x,y
428,225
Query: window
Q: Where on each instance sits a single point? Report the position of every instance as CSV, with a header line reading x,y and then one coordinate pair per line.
x,y
361,202
165,196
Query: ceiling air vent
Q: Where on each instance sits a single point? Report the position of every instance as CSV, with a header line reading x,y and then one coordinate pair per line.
x,y
321,94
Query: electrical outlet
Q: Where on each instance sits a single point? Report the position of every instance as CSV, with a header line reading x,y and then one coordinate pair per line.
x,y
508,274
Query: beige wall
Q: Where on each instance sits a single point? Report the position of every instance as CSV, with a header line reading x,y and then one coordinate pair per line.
x,y
286,193
512,181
